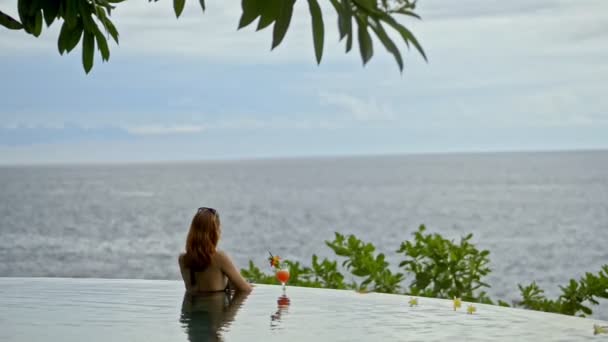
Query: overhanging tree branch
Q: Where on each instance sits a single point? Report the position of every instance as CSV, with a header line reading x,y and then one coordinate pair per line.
x,y
83,21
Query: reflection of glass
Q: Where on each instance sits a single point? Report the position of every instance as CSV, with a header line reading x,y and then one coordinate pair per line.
x,y
204,316
283,276
283,303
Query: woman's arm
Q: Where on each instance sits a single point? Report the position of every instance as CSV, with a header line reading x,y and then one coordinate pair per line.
x,y
233,274
182,269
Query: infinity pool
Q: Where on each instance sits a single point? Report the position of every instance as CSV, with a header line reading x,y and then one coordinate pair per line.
x,y
53,309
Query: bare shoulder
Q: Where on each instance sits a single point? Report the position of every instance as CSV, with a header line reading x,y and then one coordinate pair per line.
x,y
220,254
222,257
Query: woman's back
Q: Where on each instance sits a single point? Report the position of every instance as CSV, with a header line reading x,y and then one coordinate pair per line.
x,y
203,267
210,279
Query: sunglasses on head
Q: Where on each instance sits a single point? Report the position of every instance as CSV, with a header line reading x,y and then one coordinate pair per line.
x,y
211,210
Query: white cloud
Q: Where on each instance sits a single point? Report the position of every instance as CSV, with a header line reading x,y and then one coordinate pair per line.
x,y
278,123
359,108
165,129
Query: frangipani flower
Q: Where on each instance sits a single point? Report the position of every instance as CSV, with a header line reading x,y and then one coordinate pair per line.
x,y
597,329
413,301
457,303
471,309
275,260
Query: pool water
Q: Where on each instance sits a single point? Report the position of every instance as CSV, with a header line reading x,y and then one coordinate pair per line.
x,y
58,309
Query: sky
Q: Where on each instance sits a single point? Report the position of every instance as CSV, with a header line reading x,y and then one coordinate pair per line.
x,y
501,76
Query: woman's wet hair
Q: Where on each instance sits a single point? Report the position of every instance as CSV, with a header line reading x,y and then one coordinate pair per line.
x,y
202,238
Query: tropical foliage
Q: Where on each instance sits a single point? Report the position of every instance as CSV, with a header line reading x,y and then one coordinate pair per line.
x,y
575,297
433,266
88,21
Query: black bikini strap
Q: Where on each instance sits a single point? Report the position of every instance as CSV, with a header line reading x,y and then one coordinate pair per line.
x,y
192,277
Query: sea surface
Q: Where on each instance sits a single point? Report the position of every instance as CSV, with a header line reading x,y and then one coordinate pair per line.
x,y
543,216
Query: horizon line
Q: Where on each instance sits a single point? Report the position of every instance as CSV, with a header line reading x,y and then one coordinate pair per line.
x,y
299,157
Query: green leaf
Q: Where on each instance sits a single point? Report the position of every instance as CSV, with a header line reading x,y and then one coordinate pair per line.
x,y
69,36
405,33
318,28
503,303
269,12
365,41
51,9
348,24
87,16
70,13
33,8
88,51
250,12
102,44
408,13
340,12
360,272
10,23
367,5
202,3
112,30
108,25
282,23
38,24
586,310
30,14
104,3
178,7
22,9
388,43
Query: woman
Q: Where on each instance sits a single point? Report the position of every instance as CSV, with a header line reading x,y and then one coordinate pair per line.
x,y
205,269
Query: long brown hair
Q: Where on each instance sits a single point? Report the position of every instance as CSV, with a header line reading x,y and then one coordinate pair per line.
x,y
202,238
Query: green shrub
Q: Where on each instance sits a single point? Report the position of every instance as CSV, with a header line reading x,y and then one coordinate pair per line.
x,y
326,273
438,267
362,263
573,298
444,269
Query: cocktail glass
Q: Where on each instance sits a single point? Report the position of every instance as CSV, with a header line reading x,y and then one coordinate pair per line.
x,y
283,276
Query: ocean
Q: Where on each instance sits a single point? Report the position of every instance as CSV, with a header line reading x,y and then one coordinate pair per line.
x,y
543,215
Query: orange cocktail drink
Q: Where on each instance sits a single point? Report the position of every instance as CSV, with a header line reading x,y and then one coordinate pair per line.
x,y
283,276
